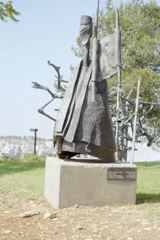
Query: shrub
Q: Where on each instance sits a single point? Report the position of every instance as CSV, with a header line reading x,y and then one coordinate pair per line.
x,y
33,158
7,158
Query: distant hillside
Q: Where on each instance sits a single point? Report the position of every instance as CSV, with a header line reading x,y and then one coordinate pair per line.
x,y
24,138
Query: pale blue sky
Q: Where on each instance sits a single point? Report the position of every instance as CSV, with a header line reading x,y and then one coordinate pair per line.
x,y
46,31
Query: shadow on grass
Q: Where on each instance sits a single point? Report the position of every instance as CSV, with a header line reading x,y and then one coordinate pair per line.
x,y
15,167
148,198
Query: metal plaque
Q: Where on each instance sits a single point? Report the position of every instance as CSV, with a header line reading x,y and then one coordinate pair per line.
x,y
121,174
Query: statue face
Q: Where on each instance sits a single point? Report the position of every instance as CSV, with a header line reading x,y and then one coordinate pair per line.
x,y
85,29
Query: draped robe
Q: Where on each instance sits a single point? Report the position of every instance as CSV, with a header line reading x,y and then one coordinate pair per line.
x,y
82,126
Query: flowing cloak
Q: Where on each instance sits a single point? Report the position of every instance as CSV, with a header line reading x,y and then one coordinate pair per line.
x,y
83,126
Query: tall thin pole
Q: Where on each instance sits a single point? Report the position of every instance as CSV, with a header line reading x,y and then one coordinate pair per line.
x,y
35,140
96,20
35,137
95,54
118,62
135,122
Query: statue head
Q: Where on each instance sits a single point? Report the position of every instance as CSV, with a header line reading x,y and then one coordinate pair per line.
x,y
85,29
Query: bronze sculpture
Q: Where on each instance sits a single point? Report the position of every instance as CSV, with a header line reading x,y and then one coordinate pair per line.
x,y
84,124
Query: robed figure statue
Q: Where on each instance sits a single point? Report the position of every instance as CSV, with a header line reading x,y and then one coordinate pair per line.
x,y
84,126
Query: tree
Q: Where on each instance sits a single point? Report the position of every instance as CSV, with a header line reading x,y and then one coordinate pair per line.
x,y
8,12
140,31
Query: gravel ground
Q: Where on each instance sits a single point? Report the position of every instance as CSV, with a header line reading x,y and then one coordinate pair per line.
x,y
37,220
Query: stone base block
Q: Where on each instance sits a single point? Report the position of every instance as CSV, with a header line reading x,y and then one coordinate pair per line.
x,y
68,183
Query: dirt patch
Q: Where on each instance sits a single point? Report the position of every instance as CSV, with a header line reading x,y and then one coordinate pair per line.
x,y
136,222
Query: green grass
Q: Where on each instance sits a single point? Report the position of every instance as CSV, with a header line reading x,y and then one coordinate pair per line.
x,y
27,179
148,182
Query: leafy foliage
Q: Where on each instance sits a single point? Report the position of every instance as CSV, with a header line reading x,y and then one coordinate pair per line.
x,y
140,31
140,49
33,158
26,158
5,158
8,12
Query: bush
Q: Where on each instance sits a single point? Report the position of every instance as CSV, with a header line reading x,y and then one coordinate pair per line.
x,y
26,158
33,158
7,158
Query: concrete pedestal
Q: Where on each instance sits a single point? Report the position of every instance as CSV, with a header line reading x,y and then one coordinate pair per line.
x,y
89,183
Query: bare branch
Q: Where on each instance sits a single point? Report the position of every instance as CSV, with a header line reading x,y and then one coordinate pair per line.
x,y
149,103
38,86
41,110
57,69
